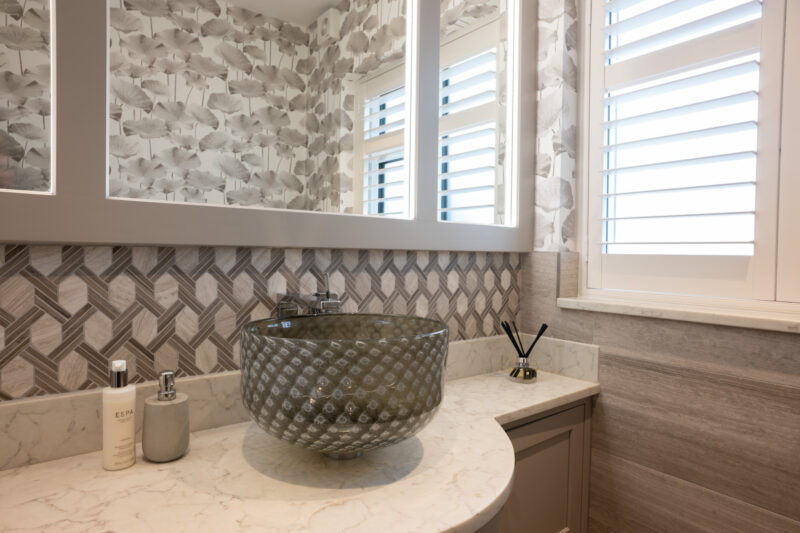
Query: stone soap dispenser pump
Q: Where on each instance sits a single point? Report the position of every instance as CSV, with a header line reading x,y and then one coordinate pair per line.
x,y
165,431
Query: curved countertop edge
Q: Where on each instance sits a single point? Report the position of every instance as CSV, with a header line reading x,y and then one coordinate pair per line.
x,y
475,483
506,418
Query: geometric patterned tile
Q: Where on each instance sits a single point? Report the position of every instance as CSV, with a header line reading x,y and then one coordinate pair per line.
x,y
97,330
46,334
72,371
166,290
206,289
166,358
243,288
45,259
186,325
16,377
206,356
180,308
17,296
144,326
121,292
72,294
97,258
225,321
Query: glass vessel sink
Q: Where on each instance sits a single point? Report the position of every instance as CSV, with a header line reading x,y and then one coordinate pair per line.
x,y
343,384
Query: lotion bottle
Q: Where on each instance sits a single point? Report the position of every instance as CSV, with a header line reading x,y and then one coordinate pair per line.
x,y
119,419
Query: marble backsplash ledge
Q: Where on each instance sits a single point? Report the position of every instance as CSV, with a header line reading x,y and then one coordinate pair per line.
x,y
34,430
66,311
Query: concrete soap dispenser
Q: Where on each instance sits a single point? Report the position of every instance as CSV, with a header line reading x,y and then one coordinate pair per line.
x,y
165,431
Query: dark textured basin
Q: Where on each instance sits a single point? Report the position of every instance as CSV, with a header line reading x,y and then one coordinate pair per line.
x,y
343,384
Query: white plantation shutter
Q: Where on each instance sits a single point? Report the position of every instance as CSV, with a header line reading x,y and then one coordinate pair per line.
x,y
384,113
676,169
468,140
384,189
384,180
468,112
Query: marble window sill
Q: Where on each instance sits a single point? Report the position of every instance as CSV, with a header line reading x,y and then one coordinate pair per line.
x,y
767,316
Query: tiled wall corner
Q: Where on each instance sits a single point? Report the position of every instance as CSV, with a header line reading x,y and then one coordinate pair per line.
x,y
65,311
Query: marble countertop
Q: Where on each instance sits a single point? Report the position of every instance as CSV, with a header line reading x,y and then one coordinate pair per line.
x,y
454,475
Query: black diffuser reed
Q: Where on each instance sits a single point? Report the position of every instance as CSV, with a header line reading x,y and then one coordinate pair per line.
x,y
522,371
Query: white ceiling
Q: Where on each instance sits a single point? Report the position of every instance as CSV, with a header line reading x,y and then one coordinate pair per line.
x,y
301,12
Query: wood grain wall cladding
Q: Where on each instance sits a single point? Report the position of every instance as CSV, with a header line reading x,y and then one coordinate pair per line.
x,y
735,436
66,311
697,427
625,496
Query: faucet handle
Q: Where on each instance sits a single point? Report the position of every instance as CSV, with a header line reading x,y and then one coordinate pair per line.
x,y
327,302
287,306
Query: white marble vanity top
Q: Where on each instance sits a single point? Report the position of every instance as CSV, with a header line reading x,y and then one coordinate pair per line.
x,y
454,475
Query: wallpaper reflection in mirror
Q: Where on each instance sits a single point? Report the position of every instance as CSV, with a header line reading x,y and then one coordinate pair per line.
x,y
25,95
213,103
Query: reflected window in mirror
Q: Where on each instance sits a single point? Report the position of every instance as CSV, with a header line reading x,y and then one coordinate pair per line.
x,y
216,103
473,55
384,174
25,108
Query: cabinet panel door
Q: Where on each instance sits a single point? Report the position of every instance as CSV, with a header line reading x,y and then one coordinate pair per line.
x,y
546,497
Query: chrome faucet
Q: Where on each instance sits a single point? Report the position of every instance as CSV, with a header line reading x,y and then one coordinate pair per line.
x,y
323,302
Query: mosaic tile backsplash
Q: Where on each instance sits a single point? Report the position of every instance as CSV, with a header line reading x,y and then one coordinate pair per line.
x,y
66,311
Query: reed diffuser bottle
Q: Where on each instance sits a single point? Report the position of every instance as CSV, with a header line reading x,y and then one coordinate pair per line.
x,y
119,419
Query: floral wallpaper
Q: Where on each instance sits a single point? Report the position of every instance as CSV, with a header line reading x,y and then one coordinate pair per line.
x,y
206,104
459,14
556,128
355,39
25,95
214,103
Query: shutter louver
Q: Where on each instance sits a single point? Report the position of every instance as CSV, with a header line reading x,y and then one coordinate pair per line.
x,y
679,145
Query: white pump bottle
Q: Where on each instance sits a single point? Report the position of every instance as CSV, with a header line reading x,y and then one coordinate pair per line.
x,y
119,419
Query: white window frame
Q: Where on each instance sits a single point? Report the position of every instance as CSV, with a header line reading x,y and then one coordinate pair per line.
x,y
788,286
79,211
767,296
456,47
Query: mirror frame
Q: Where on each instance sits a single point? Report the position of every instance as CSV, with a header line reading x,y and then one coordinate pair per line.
x,y
78,211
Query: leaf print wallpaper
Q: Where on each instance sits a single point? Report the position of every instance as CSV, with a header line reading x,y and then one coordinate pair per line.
x,y
25,95
213,103
205,104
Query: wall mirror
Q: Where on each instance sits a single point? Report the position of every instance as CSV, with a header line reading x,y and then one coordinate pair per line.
x,y
25,103
295,105
324,123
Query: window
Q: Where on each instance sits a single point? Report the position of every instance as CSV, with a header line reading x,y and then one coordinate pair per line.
x,y
468,156
384,175
471,173
684,109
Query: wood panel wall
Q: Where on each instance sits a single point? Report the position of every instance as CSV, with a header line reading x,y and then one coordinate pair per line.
x,y
697,427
